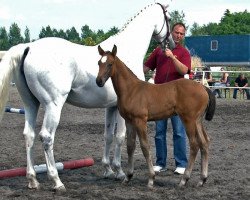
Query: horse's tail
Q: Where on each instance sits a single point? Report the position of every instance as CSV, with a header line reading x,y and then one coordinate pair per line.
x,y
12,59
211,105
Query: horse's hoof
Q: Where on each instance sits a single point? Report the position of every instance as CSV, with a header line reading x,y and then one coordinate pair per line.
x,y
60,189
125,181
109,174
34,185
120,176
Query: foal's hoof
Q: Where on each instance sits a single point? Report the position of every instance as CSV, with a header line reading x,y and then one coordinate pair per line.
x,y
201,183
182,183
150,186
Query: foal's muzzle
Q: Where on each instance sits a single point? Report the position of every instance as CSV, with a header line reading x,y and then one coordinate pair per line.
x,y
99,82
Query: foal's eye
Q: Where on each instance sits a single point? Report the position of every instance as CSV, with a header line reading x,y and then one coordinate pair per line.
x,y
110,65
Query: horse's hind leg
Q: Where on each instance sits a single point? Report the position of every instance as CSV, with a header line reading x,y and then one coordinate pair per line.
x,y
31,106
113,116
194,147
47,134
29,135
145,147
204,148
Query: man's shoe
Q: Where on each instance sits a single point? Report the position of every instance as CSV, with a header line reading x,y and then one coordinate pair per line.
x,y
179,170
159,169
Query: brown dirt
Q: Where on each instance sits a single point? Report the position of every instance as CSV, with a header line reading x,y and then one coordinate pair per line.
x,y
80,135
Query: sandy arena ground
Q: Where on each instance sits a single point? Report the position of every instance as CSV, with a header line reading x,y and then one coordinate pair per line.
x,y
80,135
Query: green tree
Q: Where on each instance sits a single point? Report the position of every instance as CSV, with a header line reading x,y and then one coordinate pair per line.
x,y
4,40
112,31
73,35
26,35
177,16
46,32
86,32
230,23
88,41
100,36
15,36
61,34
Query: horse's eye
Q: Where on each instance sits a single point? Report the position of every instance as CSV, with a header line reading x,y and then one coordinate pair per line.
x,y
110,65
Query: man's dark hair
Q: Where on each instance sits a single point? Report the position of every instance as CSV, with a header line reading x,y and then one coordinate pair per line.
x,y
179,24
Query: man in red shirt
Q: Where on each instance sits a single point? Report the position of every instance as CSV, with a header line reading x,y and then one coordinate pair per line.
x,y
170,65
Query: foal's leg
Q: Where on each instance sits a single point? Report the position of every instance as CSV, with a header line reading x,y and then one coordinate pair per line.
x,y
194,147
131,144
47,134
204,147
143,138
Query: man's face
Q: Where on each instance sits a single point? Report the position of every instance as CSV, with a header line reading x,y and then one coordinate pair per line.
x,y
178,33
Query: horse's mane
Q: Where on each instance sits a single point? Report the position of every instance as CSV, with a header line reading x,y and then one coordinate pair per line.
x,y
130,71
118,59
136,15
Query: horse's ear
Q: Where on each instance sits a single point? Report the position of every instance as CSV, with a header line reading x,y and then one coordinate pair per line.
x,y
114,50
101,51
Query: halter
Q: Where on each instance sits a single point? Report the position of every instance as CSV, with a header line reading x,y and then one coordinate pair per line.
x,y
164,43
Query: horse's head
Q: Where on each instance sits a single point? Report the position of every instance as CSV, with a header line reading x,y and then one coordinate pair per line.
x,y
105,65
162,32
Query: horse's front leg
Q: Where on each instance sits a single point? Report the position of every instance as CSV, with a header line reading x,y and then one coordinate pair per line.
x,y
119,139
50,123
110,120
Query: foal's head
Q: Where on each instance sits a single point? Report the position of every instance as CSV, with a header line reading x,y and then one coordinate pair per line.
x,y
105,65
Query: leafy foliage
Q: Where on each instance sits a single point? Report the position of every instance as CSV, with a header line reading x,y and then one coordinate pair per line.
x,y
230,23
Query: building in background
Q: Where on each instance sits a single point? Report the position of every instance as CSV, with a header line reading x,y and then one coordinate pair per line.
x,y
221,50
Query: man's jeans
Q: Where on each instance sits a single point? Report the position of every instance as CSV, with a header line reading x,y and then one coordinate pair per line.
x,y
179,141
246,91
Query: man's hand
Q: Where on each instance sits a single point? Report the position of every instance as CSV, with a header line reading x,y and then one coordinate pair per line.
x,y
169,53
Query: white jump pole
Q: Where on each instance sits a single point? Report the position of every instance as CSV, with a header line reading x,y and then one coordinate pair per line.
x,y
14,110
73,164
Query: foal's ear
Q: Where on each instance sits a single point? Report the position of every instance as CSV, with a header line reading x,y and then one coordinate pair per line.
x,y
101,51
114,50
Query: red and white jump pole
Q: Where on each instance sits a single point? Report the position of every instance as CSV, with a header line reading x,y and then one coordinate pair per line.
x,y
73,164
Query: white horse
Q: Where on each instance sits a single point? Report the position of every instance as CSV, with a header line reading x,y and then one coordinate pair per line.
x,y
52,71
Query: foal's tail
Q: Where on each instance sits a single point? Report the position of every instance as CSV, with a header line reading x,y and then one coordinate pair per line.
x,y
211,105
12,59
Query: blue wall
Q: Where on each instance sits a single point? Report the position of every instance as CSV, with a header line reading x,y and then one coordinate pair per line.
x,y
231,48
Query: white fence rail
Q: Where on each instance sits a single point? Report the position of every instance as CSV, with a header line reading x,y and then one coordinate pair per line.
x,y
224,87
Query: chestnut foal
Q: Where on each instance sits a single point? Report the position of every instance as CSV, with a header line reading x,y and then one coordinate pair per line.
x,y
139,102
